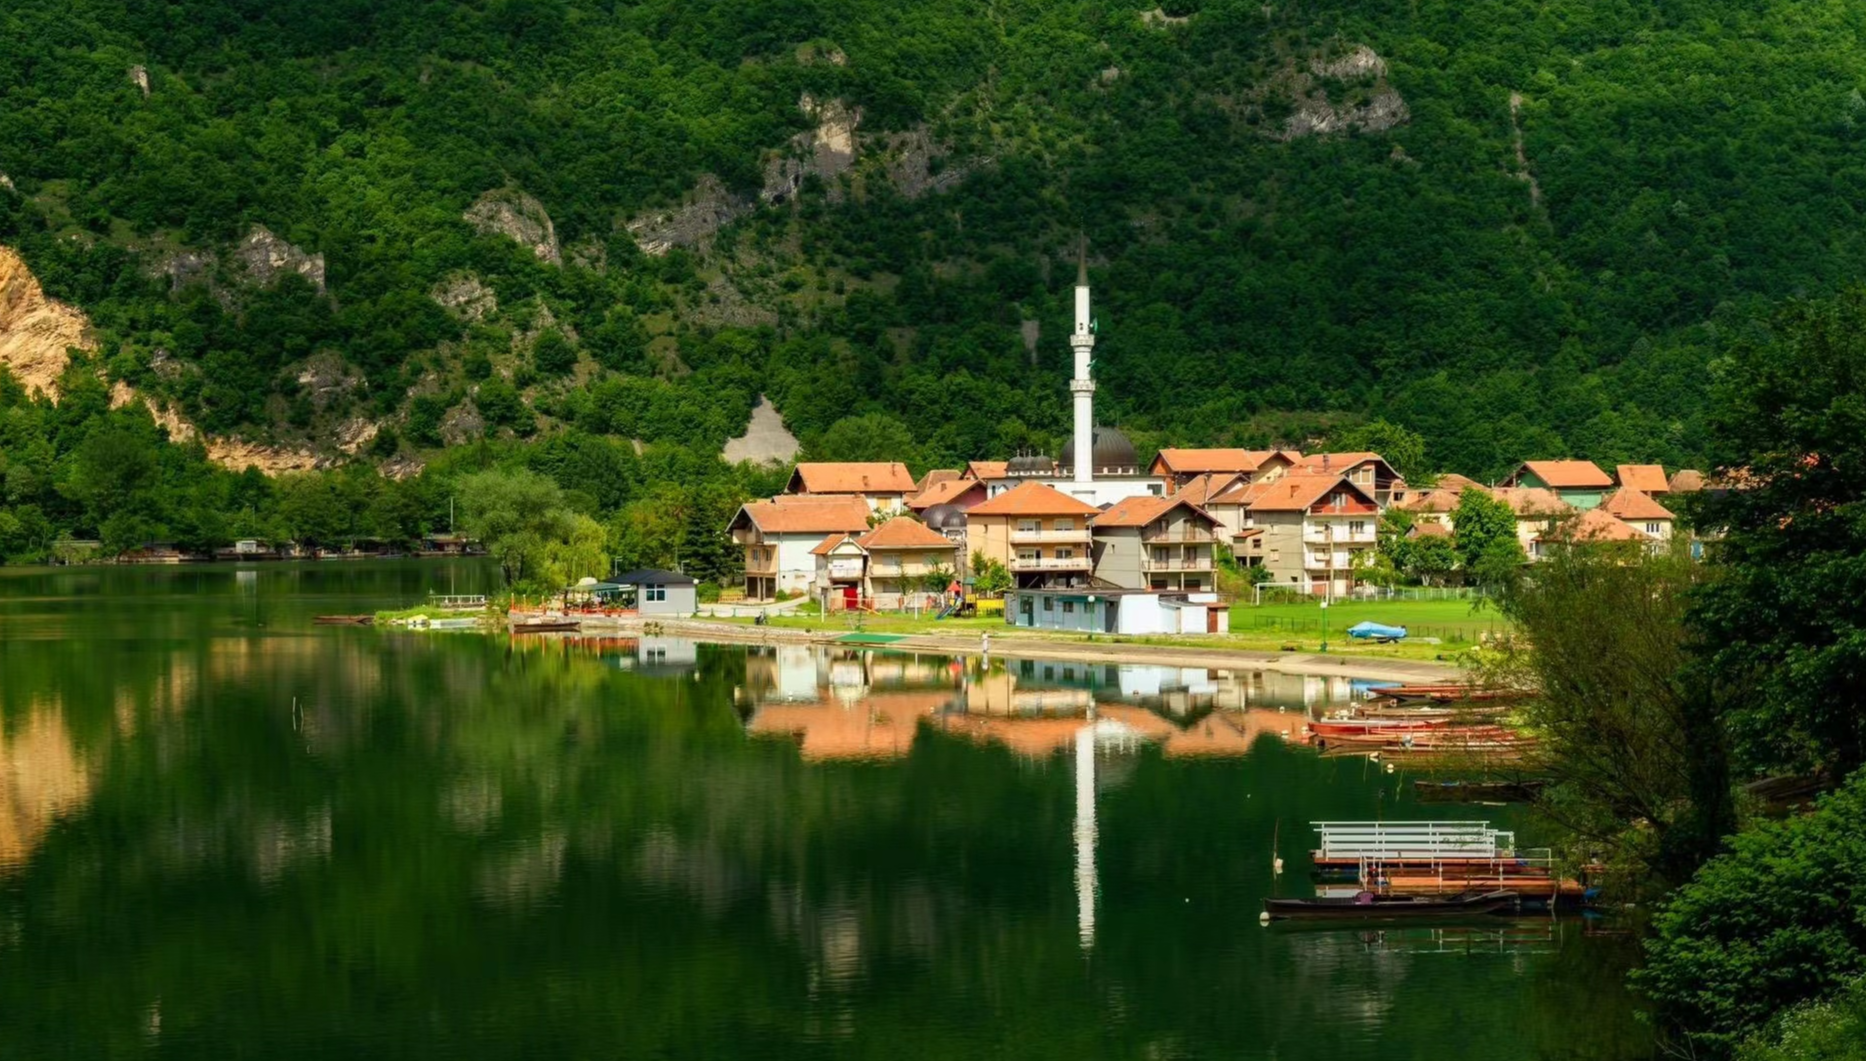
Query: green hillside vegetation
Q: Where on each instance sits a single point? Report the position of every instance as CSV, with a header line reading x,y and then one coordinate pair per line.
x,y
1682,165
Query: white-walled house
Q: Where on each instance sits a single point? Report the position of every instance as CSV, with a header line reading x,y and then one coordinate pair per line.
x,y
778,534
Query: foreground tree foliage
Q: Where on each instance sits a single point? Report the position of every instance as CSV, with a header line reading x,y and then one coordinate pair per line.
x,y
1777,921
1819,1031
1630,728
1791,616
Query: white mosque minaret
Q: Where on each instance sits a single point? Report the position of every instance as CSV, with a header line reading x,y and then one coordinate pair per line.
x,y
1082,387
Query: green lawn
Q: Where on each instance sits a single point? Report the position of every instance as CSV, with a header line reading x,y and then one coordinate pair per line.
x,y
1451,621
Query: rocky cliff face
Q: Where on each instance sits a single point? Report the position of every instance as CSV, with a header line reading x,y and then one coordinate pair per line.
x,y
264,258
518,217
35,331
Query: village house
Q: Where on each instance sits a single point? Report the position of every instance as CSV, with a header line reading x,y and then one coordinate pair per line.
x,y
959,493
1536,509
1176,467
900,564
1369,471
1201,489
1640,512
1038,532
778,536
1312,531
1154,543
884,486
1648,479
1590,526
1431,507
1579,484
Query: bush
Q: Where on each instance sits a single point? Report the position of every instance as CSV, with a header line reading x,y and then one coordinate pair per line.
x,y
1824,1031
553,355
1779,920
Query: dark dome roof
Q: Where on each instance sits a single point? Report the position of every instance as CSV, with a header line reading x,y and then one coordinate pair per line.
x,y
944,517
1109,448
1029,464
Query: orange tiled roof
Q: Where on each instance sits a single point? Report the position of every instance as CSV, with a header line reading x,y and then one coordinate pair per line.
x,y
986,469
1202,488
1686,481
816,517
1595,525
1630,504
1452,482
828,545
1567,475
1297,492
900,533
1429,530
1529,502
1336,462
943,493
1198,461
1140,511
853,477
1244,493
1645,478
1433,500
936,477
1032,499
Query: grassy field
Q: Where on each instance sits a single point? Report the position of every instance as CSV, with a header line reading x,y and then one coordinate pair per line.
x,y
1451,621
1269,627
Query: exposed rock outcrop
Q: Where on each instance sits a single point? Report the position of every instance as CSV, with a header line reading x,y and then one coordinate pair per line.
x,y
184,268
706,209
326,378
1317,117
1340,91
139,76
1159,19
913,162
463,423
766,440
6,183
264,258
518,217
36,331
355,433
466,296
589,253
724,306
826,152
1523,172
1357,63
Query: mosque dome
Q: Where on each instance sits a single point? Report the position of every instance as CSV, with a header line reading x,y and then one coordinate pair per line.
x,y
1029,464
944,518
1110,449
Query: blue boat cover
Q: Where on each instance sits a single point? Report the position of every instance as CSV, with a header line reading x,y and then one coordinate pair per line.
x,y
1376,631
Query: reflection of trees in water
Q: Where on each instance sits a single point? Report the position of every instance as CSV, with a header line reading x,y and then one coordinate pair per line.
x,y
457,841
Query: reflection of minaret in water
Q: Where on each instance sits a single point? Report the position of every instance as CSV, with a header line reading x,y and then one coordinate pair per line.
x,y
1082,342
1086,884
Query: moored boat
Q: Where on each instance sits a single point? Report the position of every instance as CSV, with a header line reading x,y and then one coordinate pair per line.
x,y
344,620
1343,727
547,626
1370,906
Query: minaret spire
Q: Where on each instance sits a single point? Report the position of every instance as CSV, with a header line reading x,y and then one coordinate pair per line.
x,y
1082,387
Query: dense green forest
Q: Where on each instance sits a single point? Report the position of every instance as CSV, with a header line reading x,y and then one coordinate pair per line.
x,y
1516,230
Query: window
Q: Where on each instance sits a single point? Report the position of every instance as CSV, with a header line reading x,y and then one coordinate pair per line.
x,y
656,593
1065,554
1028,526
1652,529
1063,525
1357,527
1069,607
1049,605
1276,555
1026,554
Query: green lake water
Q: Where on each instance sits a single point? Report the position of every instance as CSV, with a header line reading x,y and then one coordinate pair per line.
x,y
227,833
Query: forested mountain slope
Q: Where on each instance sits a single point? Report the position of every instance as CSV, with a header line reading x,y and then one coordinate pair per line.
x,y
1519,229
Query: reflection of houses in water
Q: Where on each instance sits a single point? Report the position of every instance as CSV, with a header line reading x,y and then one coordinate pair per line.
x,y
42,777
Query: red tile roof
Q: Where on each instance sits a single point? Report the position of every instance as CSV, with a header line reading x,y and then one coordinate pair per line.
x,y
935,477
1199,461
1140,511
1202,488
985,469
1630,504
1595,525
1529,502
828,545
1429,530
1434,500
1032,499
901,533
852,477
1566,475
794,516
1452,482
1335,462
1298,492
945,493
1645,478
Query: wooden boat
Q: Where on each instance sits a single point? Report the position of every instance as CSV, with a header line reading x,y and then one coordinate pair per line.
x,y
547,626
1345,727
344,620
1370,906
1460,736
1523,791
1450,693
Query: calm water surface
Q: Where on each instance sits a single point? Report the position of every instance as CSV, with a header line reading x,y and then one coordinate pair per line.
x,y
457,847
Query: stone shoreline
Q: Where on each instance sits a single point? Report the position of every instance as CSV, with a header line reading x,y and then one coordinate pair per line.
x,y
1014,646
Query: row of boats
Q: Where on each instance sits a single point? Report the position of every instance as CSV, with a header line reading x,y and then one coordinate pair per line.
x,y
1425,720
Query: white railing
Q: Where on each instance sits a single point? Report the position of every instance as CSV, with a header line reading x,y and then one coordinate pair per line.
x,y
1051,563
1042,537
1189,563
1413,840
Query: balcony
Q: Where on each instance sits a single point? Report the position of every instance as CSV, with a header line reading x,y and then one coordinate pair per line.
x,y
1178,535
762,568
1052,563
1340,537
1159,565
1080,536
